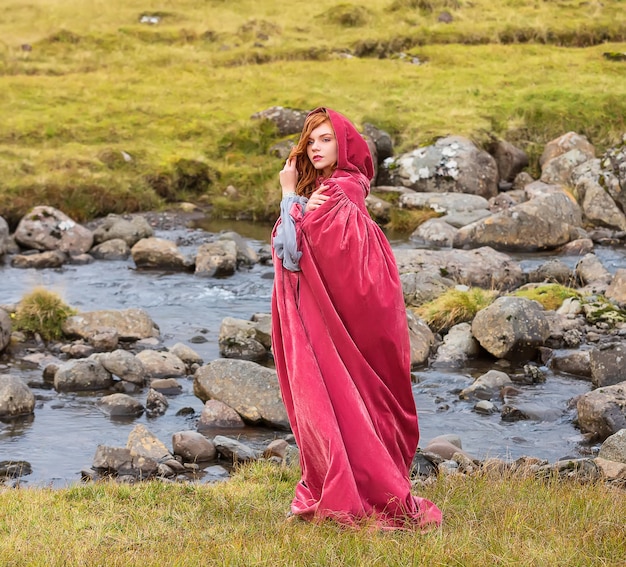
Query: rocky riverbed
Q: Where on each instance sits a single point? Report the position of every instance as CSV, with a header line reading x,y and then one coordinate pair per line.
x,y
170,349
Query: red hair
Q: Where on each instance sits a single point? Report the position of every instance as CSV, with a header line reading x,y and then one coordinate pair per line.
x,y
307,174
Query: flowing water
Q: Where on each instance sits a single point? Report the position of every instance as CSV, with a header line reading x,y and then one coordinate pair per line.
x,y
66,429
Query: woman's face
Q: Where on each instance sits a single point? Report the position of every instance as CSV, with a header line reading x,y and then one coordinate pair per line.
x,y
322,148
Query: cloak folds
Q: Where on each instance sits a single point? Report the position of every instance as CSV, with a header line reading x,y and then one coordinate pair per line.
x,y
341,348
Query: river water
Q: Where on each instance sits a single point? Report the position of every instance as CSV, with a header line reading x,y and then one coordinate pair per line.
x,y
66,429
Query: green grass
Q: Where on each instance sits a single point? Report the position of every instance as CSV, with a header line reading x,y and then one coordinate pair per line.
x,y
454,306
42,312
97,82
551,296
487,521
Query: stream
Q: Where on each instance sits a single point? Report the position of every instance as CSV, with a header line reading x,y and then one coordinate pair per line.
x,y
62,436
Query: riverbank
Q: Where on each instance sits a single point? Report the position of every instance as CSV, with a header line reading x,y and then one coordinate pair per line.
x,y
487,521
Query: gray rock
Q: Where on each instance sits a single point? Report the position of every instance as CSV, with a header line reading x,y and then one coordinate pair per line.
x,y
598,206
216,414
161,364
121,405
246,255
482,267
541,223
193,447
130,231
287,120
16,398
125,365
156,403
602,412
435,232
250,389
423,286
166,386
40,261
47,228
510,159
553,270
614,447
238,339
564,144
608,364
4,236
421,339
186,354
114,249
158,253
616,290
559,169
457,348
590,269
453,164
216,259
130,324
234,450
512,328
5,329
486,386
105,340
82,375
575,362
143,443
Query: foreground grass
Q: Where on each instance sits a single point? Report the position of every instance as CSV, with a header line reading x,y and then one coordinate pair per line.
x,y
84,82
241,523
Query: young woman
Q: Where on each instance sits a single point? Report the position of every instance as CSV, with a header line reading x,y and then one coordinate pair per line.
x,y
340,337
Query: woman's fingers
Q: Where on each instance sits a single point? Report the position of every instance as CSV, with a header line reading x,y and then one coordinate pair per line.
x,y
317,198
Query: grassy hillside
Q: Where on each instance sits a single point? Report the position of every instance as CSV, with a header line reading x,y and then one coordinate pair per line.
x,y
487,522
103,113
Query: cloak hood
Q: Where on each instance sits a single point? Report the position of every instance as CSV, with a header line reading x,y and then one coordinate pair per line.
x,y
353,153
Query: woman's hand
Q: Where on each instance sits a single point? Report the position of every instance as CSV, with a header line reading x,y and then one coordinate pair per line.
x,y
317,199
289,177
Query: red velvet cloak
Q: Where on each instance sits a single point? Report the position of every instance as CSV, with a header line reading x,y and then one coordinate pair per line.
x,y
341,347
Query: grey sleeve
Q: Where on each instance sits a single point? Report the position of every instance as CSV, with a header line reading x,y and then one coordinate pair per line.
x,y
285,243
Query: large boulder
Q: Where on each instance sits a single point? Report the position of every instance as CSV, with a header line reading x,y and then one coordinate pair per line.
x,y
47,228
482,267
249,388
453,164
131,324
541,223
512,328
